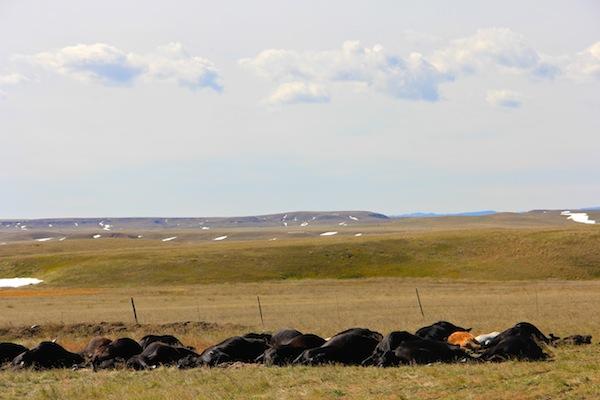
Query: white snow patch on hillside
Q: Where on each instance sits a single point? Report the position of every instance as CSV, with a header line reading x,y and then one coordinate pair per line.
x,y
328,233
582,218
18,282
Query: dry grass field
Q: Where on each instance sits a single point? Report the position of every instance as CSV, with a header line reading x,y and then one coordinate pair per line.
x,y
487,277
320,306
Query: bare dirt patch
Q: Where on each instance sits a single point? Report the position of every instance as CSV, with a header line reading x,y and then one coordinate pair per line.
x,y
80,330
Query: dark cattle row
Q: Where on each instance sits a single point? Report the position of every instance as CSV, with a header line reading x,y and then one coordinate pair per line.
x,y
439,342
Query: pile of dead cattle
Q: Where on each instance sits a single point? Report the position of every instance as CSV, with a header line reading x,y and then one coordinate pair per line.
x,y
440,342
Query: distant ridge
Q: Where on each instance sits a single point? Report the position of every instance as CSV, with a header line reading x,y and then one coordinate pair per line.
x,y
432,215
279,219
590,209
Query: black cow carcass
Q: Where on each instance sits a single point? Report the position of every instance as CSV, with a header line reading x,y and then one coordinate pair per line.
x,y
350,347
244,349
118,351
383,355
517,347
425,351
166,339
287,352
159,353
439,331
520,329
47,355
8,351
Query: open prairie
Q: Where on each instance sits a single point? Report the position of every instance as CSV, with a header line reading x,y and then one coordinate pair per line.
x,y
486,277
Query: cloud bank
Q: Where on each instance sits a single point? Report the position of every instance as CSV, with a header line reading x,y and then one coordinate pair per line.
x,y
312,76
108,65
417,76
412,78
493,48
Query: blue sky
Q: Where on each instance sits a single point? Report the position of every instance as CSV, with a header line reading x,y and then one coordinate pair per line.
x,y
203,109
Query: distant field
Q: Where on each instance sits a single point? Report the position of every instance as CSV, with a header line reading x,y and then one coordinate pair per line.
x,y
488,254
320,306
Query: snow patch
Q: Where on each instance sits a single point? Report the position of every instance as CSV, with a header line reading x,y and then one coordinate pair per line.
x,y
328,233
352,218
62,238
18,282
169,239
582,218
96,236
220,238
304,224
43,239
205,228
358,235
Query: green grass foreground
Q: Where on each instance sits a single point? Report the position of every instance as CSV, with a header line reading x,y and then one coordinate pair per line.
x,y
497,254
574,374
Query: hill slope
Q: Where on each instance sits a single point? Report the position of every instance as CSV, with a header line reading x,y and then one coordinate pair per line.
x,y
469,254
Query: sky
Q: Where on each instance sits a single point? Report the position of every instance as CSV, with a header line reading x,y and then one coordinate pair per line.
x,y
198,108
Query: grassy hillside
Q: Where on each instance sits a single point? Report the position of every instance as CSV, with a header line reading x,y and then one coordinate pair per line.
x,y
494,254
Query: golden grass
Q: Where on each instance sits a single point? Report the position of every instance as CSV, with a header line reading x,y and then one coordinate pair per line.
x,y
327,306
488,254
323,307
574,375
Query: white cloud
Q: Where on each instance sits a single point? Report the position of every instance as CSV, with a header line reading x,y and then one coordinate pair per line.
x,y
172,63
495,47
97,62
12,79
412,78
504,98
586,63
298,92
108,65
418,76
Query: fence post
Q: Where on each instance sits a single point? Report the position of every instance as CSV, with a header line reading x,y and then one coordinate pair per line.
x,y
262,321
419,300
134,312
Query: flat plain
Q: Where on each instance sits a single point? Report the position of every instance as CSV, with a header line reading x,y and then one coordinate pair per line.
x,y
483,273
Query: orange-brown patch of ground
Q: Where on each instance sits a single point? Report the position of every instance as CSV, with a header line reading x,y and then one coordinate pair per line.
x,y
59,292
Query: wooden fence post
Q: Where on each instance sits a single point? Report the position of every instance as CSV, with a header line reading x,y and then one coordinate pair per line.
x,y
419,300
262,321
134,312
